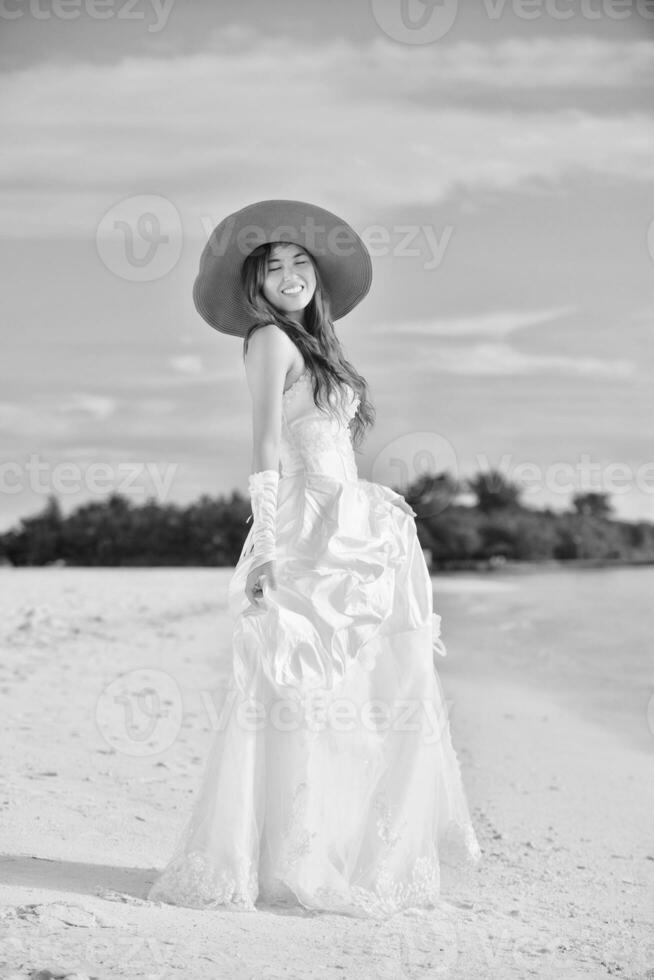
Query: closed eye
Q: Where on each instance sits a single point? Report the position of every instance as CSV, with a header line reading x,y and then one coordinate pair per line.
x,y
276,268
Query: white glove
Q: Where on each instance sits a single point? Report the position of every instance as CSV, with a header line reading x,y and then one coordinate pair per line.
x,y
263,486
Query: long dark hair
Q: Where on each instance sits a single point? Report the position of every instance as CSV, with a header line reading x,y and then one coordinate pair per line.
x,y
317,341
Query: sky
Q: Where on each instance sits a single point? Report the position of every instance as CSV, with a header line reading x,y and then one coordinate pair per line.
x,y
497,157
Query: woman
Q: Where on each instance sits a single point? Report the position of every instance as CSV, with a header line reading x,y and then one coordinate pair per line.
x,y
332,782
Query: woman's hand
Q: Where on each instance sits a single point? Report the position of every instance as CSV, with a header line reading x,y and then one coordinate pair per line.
x,y
258,577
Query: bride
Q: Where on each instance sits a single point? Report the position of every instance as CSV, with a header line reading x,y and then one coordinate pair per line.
x,y
331,782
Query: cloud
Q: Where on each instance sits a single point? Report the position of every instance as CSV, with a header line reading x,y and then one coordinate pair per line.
x,y
51,422
93,406
496,324
181,379
209,130
538,64
503,359
187,363
484,350
12,415
23,424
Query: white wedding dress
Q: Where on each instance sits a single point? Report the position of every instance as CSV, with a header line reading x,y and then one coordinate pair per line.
x,y
332,782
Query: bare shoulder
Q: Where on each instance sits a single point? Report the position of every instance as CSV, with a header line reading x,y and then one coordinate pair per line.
x,y
270,339
269,356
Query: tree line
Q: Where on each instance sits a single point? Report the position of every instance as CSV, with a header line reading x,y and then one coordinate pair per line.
x,y
497,527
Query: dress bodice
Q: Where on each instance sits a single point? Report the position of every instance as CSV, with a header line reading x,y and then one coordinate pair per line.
x,y
313,441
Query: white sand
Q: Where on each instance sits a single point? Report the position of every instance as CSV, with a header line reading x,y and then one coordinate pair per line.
x,y
561,805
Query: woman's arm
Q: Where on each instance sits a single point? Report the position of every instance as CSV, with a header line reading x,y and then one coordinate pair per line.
x,y
269,356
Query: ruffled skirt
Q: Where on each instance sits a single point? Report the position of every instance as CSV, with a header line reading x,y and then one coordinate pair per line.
x,y
331,781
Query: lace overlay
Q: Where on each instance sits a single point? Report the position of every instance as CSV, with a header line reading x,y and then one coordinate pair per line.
x,y
194,881
317,442
418,886
346,795
298,840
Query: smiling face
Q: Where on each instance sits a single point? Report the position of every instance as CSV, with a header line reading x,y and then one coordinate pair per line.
x,y
290,280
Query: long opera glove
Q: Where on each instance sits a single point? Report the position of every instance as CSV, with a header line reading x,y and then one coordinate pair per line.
x,y
263,487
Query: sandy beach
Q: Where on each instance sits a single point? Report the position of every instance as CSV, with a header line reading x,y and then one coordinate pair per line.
x,y
548,681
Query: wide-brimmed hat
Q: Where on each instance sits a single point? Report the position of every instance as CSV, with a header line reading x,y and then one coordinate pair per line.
x,y
342,259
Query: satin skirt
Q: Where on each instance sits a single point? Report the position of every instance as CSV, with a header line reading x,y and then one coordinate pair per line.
x,y
332,782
